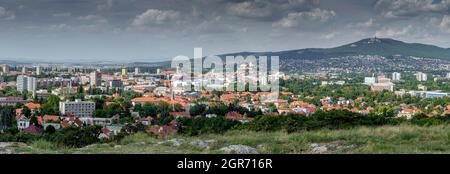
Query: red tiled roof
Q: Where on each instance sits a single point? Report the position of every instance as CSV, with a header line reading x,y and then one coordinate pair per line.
x,y
33,129
65,124
233,116
50,118
32,105
181,114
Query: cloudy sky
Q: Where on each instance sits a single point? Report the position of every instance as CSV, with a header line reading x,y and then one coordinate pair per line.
x,y
153,30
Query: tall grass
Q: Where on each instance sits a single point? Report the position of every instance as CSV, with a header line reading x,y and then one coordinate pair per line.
x,y
361,140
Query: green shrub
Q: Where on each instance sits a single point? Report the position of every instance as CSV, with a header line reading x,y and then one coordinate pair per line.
x,y
197,126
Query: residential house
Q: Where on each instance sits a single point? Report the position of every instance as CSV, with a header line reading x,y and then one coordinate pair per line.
x,y
23,122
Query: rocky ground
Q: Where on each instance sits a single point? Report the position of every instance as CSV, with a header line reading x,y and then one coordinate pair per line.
x,y
364,140
10,147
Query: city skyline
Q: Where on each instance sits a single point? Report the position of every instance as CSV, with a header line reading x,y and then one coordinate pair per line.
x,y
133,30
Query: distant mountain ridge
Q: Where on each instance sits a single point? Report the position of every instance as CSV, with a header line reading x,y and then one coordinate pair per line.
x,y
370,46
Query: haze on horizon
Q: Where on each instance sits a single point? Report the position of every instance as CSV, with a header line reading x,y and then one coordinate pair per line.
x,y
155,30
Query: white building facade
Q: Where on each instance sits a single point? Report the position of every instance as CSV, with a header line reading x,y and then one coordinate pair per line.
x,y
77,108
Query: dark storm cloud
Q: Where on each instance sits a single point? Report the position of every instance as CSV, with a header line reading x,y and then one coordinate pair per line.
x,y
147,29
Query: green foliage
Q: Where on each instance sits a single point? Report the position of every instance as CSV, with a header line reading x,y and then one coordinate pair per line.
x,y
76,137
34,121
26,111
197,126
335,119
7,118
197,109
9,91
51,107
50,129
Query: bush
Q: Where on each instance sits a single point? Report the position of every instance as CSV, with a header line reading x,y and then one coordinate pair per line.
x,y
25,137
50,129
197,126
77,137
267,123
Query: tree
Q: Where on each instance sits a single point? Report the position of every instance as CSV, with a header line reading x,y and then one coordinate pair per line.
x,y
100,113
34,121
6,117
50,129
197,109
51,107
26,111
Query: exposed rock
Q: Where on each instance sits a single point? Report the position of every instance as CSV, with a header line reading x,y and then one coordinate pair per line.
x,y
240,149
89,146
318,148
174,142
9,147
329,148
203,144
7,151
117,146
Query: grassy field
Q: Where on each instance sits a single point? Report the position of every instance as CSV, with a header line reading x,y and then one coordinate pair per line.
x,y
363,140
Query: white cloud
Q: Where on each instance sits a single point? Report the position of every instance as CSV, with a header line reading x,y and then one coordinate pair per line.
x,y
394,32
155,16
95,18
105,4
67,14
268,9
251,9
60,27
402,8
296,19
366,24
445,24
329,36
6,14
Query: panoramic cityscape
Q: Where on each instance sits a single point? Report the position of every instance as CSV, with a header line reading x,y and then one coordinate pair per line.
x,y
225,77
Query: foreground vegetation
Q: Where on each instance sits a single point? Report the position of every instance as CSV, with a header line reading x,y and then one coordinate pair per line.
x,y
403,138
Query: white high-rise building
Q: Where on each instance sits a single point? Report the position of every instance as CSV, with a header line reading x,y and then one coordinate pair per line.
x,y
421,77
396,76
5,68
96,79
26,83
448,75
24,69
136,71
369,80
77,108
38,70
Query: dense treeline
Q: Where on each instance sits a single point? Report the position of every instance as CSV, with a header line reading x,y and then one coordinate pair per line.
x,y
68,137
335,119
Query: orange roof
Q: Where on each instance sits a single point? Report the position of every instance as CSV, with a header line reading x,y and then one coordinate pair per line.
x,y
168,72
65,124
32,105
51,117
18,111
233,116
156,100
301,104
40,120
181,114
